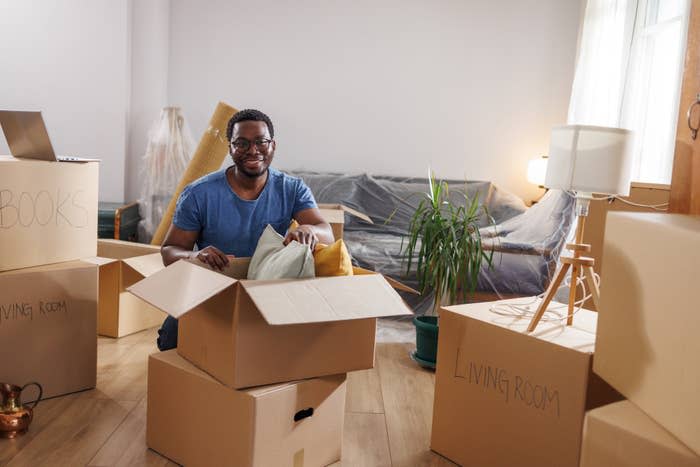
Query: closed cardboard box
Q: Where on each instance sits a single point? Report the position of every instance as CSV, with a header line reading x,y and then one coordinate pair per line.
x,y
648,346
121,265
334,214
48,212
247,333
196,421
48,317
621,435
507,398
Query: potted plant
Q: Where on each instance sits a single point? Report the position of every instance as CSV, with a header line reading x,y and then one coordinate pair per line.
x,y
444,246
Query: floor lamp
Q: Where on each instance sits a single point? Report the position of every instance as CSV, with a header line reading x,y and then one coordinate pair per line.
x,y
584,160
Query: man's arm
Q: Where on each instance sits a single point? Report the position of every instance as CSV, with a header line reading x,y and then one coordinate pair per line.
x,y
178,244
312,229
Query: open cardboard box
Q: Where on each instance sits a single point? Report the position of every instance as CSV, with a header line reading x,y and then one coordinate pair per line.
x,y
334,214
48,212
648,346
122,264
504,397
196,421
249,333
48,317
621,435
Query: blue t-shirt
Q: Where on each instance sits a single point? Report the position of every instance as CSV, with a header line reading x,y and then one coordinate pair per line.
x,y
233,225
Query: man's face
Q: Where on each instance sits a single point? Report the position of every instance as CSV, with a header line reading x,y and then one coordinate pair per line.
x,y
251,148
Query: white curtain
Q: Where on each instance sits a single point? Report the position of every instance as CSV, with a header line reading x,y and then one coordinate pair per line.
x,y
601,68
628,74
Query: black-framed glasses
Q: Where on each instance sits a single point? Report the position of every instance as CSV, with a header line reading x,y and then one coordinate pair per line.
x,y
242,144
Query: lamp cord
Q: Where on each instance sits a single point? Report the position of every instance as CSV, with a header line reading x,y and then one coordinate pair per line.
x,y
552,314
655,207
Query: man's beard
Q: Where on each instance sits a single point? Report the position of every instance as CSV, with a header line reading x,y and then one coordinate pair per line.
x,y
240,166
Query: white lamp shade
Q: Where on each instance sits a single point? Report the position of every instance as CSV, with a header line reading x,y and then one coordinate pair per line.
x,y
590,159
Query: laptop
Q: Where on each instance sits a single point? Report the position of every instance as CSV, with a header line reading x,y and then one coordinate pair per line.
x,y
27,137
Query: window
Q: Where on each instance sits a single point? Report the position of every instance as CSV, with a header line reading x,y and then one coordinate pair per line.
x,y
628,75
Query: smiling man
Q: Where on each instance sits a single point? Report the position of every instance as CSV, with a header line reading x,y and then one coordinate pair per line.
x,y
224,213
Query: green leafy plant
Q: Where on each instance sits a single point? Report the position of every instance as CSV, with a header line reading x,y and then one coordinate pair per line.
x,y
444,244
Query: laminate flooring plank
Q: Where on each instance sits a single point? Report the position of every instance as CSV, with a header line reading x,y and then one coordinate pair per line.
x,y
46,411
127,380
76,433
365,442
364,393
407,391
126,447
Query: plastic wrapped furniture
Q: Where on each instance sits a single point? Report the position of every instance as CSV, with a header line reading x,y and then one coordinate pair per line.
x,y
526,241
169,150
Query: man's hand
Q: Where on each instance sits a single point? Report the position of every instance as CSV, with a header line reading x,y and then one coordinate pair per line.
x,y
212,256
304,234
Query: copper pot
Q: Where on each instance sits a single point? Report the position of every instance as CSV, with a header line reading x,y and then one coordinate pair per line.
x,y
14,417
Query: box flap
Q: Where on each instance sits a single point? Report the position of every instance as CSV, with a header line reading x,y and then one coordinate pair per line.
x,y
325,299
146,264
347,209
120,249
180,287
392,282
99,260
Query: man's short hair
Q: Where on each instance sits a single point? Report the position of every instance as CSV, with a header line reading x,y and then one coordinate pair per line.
x,y
249,115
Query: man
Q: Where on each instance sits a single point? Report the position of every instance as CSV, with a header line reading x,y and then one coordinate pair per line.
x,y
224,213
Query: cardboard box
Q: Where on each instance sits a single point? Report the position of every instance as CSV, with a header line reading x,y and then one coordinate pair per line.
x,y
247,333
334,214
122,264
648,344
48,318
504,397
196,421
622,435
48,212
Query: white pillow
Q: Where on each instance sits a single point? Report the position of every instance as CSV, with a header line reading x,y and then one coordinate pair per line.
x,y
273,260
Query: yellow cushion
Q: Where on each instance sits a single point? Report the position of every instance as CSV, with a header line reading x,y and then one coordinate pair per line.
x,y
332,260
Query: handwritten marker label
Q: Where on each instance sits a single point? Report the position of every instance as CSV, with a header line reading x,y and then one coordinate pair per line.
x,y
511,387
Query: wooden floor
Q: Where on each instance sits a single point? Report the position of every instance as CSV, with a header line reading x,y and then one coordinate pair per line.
x,y
388,419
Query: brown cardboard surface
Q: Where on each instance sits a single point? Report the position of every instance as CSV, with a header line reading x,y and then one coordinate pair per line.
x,y
48,319
248,333
119,249
323,299
196,421
620,434
49,212
504,397
648,329
119,312
334,214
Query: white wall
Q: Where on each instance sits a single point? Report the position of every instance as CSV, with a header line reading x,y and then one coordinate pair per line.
x,y
470,88
150,26
70,60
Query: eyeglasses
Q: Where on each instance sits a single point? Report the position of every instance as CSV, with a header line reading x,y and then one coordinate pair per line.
x,y
242,144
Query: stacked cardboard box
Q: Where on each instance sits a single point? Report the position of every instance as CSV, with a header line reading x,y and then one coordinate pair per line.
x,y
504,397
301,336
122,264
647,344
48,298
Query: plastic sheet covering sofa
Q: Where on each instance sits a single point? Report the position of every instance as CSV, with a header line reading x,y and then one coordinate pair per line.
x,y
526,241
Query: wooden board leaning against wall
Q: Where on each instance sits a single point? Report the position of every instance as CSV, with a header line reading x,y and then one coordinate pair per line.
x,y
685,183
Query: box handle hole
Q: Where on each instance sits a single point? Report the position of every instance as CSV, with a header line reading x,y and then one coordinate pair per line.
x,y
304,413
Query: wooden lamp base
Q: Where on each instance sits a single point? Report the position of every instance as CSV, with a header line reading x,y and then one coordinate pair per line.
x,y
581,266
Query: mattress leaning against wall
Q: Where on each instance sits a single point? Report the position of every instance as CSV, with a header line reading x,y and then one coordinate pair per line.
x,y
527,241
